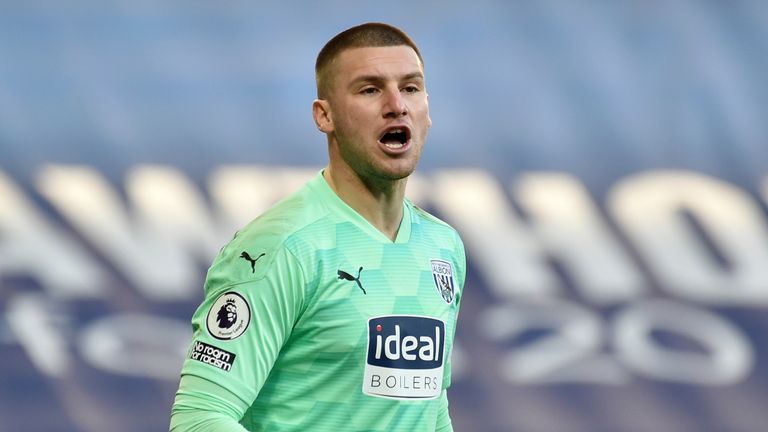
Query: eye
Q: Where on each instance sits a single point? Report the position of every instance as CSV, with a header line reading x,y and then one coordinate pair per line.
x,y
411,89
369,91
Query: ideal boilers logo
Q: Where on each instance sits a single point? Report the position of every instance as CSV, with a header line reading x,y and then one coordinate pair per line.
x,y
405,357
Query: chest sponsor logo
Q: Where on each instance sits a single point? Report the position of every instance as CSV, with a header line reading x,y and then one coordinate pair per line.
x,y
442,273
213,356
405,357
229,316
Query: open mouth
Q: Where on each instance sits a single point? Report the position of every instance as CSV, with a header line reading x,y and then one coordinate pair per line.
x,y
396,137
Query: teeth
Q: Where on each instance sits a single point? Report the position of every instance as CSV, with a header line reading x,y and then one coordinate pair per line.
x,y
391,139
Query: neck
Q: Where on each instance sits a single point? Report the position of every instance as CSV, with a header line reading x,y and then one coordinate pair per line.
x,y
379,202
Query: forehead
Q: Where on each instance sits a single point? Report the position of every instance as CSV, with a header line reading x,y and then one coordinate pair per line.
x,y
353,62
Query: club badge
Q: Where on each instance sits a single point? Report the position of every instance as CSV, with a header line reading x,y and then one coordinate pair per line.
x,y
229,316
442,273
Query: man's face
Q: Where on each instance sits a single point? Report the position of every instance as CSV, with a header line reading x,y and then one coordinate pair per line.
x,y
378,111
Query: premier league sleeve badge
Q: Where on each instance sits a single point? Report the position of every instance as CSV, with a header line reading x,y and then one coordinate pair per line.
x,y
229,316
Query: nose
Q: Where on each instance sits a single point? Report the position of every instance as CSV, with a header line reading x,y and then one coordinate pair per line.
x,y
394,104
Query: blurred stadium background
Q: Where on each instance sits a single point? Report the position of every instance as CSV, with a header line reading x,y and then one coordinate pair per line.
x,y
606,162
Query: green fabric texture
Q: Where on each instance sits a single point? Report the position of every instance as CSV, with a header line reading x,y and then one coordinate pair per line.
x,y
297,358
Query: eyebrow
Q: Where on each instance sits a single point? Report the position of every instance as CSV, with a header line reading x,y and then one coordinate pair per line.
x,y
378,78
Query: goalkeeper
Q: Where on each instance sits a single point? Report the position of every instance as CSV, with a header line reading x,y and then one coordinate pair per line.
x,y
335,310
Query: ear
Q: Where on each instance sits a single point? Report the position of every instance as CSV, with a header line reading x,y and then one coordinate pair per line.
x,y
429,119
321,111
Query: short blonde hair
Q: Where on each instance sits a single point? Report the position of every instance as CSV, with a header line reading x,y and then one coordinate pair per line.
x,y
363,35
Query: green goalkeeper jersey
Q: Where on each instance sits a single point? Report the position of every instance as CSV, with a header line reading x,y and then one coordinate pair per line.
x,y
315,320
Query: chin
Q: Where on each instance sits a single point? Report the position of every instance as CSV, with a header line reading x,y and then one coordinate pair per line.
x,y
397,174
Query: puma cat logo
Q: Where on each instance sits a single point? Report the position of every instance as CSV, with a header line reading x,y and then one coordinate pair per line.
x,y
248,258
346,276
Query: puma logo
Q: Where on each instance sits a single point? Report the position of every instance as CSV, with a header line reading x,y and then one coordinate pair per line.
x,y
248,258
346,276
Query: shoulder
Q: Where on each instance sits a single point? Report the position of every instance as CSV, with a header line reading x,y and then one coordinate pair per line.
x,y
286,218
431,222
265,244
439,233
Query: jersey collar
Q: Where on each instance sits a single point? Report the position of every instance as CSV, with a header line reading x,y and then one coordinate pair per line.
x,y
335,204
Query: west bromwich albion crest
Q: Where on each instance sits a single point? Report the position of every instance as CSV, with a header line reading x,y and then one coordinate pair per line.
x,y
442,272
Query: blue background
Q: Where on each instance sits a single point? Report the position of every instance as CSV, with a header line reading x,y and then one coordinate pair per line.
x,y
597,90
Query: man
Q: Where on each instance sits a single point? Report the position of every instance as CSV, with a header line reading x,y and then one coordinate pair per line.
x,y
345,321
